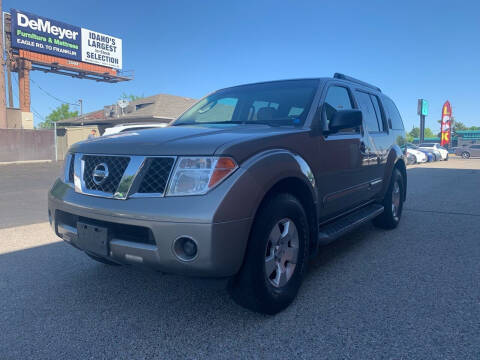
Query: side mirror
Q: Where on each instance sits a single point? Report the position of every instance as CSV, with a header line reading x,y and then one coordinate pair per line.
x,y
345,119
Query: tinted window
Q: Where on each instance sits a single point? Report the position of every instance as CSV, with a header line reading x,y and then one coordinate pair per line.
x,y
378,111
337,99
276,103
475,146
221,110
369,115
427,145
393,114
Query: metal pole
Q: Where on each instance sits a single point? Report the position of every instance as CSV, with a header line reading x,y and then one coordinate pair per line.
x,y
81,106
422,128
55,137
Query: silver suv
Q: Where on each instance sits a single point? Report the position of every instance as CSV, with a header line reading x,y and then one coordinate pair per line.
x,y
248,183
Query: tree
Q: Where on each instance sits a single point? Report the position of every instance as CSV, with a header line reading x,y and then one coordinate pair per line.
x,y
60,113
131,97
428,133
415,133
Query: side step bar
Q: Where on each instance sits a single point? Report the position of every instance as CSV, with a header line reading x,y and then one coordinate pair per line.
x,y
332,231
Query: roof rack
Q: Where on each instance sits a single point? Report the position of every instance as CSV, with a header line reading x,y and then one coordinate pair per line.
x,y
351,79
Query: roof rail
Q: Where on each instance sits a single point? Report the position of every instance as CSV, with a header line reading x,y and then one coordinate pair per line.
x,y
351,79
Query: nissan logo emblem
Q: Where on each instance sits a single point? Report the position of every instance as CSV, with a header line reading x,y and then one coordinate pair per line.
x,y
100,173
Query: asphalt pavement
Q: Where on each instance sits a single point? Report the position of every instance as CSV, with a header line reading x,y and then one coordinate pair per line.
x,y
410,293
23,192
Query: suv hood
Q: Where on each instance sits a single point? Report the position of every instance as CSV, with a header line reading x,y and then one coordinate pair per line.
x,y
178,140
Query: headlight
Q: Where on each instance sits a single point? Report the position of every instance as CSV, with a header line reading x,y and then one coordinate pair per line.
x,y
197,175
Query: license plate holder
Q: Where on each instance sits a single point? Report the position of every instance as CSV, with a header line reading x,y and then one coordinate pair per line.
x,y
93,238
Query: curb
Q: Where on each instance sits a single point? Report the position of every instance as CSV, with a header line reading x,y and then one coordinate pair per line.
x,y
21,162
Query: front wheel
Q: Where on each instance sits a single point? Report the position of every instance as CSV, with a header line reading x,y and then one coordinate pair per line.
x,y
392,202
276,257
466,155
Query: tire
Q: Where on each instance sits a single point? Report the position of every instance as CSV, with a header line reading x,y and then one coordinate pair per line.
x,y
102,260
263,285
415,159
466,155
446,159
392,202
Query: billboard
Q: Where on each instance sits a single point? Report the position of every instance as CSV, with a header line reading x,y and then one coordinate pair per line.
x,y
55,38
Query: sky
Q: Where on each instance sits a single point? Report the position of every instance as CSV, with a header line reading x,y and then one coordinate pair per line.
x,y
410,49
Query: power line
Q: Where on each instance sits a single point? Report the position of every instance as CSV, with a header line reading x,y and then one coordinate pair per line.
x,y
52,96
35,111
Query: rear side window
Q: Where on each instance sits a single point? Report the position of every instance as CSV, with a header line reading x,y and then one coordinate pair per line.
x,y
378,112
368,110
475,146
393,114
337,99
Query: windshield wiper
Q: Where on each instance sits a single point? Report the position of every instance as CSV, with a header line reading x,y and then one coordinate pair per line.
x,y
207,123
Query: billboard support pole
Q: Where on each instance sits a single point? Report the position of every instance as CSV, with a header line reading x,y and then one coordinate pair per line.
x,y
55,139
3,102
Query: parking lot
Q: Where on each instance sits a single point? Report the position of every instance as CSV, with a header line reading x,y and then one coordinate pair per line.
x,y
408,293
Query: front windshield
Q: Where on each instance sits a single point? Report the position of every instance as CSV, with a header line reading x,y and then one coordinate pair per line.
x,y
276,104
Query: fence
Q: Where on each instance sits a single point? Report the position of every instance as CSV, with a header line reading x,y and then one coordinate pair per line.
x,y
23,144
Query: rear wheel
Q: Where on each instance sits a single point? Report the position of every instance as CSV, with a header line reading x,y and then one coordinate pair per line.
x,y
392,202
465,155
276,257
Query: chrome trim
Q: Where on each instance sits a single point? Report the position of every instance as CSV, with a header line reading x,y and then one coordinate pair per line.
x,y
375,182
66,169
78,172
124,189
134,167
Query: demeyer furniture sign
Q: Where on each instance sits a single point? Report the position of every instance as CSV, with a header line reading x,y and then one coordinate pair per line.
x,y
51,37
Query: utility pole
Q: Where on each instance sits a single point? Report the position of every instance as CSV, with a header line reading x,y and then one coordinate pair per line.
x,y
3,102
80,101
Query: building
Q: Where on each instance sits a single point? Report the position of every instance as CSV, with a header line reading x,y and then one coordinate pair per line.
x,y
162,108
459,138
156,108
467,137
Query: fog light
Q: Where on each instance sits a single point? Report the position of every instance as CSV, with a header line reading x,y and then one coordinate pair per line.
x,y
185,248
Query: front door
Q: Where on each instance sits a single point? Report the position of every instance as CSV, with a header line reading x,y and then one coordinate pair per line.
x,y
342,158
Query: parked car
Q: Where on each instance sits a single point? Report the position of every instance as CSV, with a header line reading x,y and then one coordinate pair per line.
x,y
129,127
246,184
411,159
434,146
437,154
468,151
420,156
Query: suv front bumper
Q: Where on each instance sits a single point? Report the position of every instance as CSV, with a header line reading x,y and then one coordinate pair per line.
x,y
143,230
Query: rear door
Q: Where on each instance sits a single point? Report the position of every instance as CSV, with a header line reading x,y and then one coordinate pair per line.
x,y
342,157
376,135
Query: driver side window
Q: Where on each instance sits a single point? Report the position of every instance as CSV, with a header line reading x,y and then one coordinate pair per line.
x,y
337,99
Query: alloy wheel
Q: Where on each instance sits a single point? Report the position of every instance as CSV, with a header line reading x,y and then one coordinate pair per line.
x,y
396,200
281,254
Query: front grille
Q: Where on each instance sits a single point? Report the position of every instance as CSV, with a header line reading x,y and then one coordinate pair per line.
x,y
71,169
116,168
156,173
